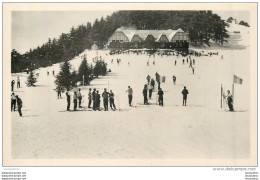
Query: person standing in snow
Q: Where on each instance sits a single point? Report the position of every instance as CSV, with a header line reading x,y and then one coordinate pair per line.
x,y
175,62
193,70
152,83
174,79
94,98
105,95
19,104
79,97
18,82
150,87
111,100
89,98
145,94
53,73
59,92
230,101
185,92
13,102
75,101
97,101
148,78
68,99
12,85
160,94
193,61
130,95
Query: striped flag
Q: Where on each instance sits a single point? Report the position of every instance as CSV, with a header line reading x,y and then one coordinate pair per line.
x,y
237,80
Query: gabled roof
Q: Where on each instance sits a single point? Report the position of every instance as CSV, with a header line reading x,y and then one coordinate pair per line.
x,y
169,33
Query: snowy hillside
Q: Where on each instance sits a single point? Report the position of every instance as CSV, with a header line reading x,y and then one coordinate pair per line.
x,y
200,130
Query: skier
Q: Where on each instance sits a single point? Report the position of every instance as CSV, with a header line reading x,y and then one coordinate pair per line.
x,y
152,83
59,92
193,70
183,61
145,94
105,95
47,73
185,92
147,64
97,101
230,101
89,98
13,102
12,85
53,73
175,62
94,99
112,61
148,78
174,79
160,94
18,82
130,95
19,104
153,62
68,99
193,61
111,100
79,97
150,87
75,97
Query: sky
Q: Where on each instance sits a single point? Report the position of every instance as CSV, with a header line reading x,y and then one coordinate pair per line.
x,y
33,28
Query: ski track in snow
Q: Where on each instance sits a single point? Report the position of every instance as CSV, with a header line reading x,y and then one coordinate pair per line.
x,y
200,130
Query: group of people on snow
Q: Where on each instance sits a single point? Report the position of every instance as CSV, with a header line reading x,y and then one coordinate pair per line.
x,y
94,99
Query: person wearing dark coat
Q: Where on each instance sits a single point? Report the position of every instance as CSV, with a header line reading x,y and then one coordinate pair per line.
x,y
174,79
59,92
152,83
13,102
185,92
75,100
175,62
94,98
12,85
68,100
89,98
230,101
105,96
20,105
79,97
145,94
111,100
97,101
160,94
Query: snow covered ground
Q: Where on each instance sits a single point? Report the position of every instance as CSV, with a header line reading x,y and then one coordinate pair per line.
x,y
201,130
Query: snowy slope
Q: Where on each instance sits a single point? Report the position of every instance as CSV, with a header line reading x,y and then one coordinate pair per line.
x,y
200,130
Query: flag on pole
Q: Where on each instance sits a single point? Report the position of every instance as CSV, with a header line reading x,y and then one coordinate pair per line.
x,y
237,80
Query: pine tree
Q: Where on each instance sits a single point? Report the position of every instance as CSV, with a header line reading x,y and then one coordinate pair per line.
x,y
65,79
84,70
31,80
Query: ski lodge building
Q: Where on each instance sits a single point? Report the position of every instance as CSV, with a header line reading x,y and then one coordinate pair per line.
x,y
151,39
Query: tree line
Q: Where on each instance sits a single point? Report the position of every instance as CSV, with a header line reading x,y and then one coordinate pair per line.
x,y
201,26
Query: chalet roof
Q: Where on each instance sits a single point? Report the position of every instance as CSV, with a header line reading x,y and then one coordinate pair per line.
x,y
144,33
